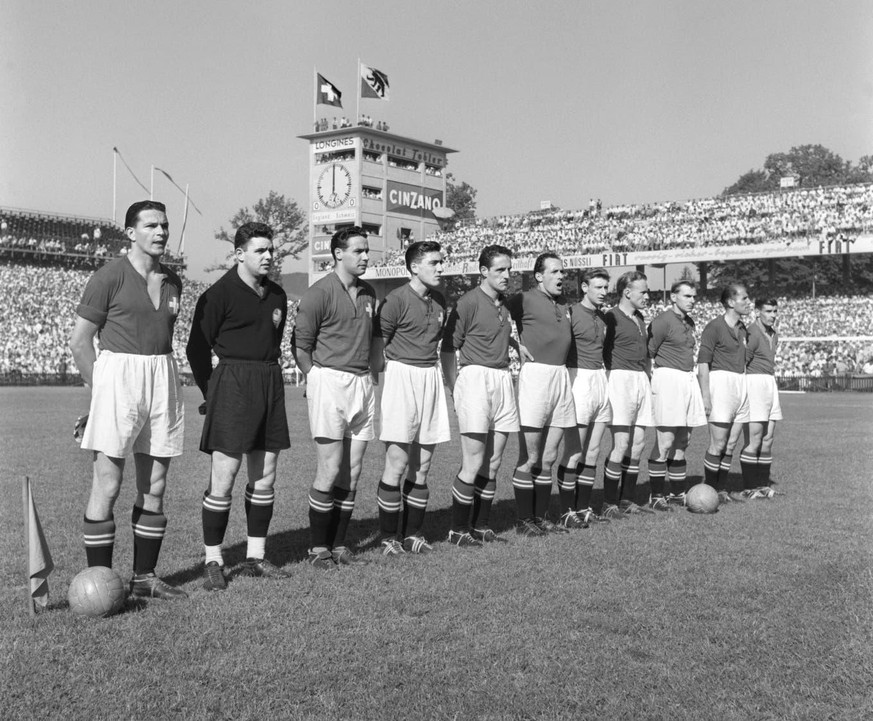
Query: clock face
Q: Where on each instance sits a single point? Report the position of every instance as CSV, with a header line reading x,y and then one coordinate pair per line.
x,y
334,185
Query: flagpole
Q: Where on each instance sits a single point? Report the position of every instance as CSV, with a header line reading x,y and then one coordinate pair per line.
x,y
184,223
26,494
114,181
358,83
152,185
314,98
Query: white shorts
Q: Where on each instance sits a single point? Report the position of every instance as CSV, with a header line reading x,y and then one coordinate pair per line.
x,y
729,395
485,401
413,407
676,398
341,404
763,398
136,406
590,396
630,396
545,399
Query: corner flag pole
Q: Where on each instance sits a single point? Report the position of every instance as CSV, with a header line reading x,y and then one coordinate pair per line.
x,y
26,494
114,180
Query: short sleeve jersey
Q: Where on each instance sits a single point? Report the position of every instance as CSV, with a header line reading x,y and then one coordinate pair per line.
x,y
589,332
671,341
237,323
761,350
335,328
411,325
723,347
117,301
626,346
543,325
480,330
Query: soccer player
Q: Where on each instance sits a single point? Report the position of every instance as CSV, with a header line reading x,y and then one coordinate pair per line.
x,y
131,305
242,318
764,407
677,401
414,415
588,380
721,372
479,328
335,347
626,355
545,400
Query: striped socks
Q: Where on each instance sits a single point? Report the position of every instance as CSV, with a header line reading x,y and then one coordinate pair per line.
x,y
99,538
148,535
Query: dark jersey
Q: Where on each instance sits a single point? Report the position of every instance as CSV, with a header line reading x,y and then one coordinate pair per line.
x,y
543,325
480,330
589,332
723,347
238,324
411,325
336,329
761,350
117,301
671,341
626,346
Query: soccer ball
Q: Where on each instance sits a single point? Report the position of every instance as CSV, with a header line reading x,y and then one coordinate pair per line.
x,y
702,498
95,592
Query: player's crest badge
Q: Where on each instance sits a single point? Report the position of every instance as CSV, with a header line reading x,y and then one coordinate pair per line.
x,y
174,305
369,307
567,313
277,317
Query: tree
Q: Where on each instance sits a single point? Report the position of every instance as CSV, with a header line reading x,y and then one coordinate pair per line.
x,y
285,218
461,198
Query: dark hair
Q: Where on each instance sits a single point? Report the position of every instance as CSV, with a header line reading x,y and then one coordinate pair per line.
x,y
679,283
247,231
132,215
419,249
729,292
540,262
761,302
625,279
340,239
590,274
490,252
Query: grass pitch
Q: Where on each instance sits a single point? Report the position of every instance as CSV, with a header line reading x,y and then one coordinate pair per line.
x,y
761,611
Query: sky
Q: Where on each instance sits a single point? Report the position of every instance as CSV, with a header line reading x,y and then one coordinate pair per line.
x,y
629,102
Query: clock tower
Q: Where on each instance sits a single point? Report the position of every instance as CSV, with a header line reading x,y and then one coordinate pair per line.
x,y
387,184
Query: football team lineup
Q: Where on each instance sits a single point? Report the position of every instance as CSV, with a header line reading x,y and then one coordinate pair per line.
x,y
583,372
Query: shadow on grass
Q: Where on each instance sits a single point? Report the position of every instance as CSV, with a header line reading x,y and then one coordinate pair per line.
x,y
291,546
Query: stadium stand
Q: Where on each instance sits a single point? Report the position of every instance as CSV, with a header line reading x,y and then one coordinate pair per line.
x,y
40,309
67,240
39,312
828,212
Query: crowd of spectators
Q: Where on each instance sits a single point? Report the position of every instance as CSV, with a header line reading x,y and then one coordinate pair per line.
x,y
778,216
365,121
43,238
39,309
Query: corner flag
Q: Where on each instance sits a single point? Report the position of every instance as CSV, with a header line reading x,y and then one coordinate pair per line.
x,y
39,559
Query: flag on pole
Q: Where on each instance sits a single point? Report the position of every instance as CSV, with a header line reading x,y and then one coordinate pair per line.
x,y
179,188
374,83
133,175
328,93
39,559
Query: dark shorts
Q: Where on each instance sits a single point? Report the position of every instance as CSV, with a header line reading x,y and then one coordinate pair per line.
x,y
245,409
